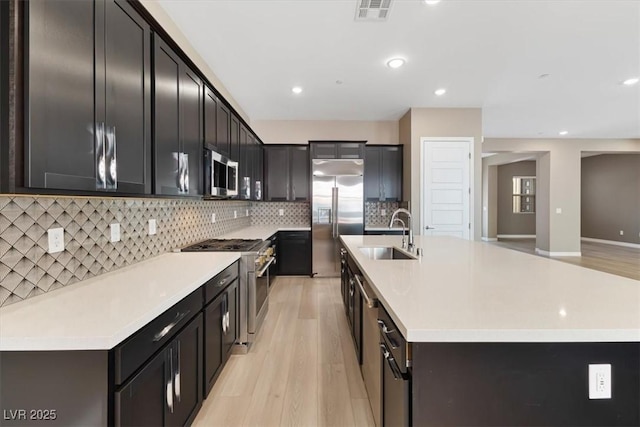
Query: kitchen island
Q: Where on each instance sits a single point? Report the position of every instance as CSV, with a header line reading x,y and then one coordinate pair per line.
x,y
498,337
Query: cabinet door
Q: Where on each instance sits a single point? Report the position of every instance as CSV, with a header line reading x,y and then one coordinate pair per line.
x,y
213,356
186,350
224,143
231,332
391,158
372,172
167,118
277,163
144,399
299,173
191,128
211,120
123,102
60,137
245,164
234,138
258,178
324,150
350,150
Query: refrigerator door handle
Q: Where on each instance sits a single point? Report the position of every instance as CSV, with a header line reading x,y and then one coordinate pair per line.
x,y
334,212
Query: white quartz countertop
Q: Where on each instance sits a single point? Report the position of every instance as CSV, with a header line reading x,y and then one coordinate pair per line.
x,y
261,231
381,228
463,291
101,312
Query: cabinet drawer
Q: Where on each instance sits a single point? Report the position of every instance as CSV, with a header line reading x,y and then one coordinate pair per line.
x,y
394,339
289,235
131,354
216,285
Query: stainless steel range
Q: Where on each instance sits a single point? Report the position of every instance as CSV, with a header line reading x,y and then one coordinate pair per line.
x,y
256,258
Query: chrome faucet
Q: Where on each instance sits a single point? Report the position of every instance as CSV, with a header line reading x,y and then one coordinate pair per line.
x,y
410,246
404,239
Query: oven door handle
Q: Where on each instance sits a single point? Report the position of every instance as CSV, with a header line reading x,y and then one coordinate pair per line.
x,y
266,267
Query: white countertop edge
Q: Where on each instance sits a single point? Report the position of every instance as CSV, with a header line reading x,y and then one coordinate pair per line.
x,y
294,228
522,335
382,228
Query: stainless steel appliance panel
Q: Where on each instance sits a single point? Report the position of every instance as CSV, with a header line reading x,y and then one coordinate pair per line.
x,y
337,208
350,205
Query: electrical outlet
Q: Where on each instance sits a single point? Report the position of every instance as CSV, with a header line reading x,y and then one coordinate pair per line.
x,y
281,212
622,232
383,212
213,218
235,214
115,232
558,210
153,229
246,212
600,381
56,240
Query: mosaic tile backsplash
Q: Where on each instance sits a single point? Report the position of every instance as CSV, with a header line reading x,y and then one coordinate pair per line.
x,y
27,270
373,213
268,213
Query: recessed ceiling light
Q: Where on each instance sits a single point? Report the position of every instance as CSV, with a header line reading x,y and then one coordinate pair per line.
x,y
431,2
395,63
440,92
631,81
563,132
296,89
543,76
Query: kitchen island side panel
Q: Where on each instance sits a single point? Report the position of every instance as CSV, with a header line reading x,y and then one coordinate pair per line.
x,y
524,384
54,388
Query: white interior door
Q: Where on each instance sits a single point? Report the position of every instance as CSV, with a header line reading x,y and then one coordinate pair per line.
x,y
445,188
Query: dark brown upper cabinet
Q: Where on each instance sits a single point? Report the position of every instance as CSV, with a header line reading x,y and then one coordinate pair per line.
x,y
217,121
337,150
383,173
88,96
287,172
178,149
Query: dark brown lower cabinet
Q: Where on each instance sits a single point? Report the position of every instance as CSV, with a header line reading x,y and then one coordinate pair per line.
x,y
167,390
220,333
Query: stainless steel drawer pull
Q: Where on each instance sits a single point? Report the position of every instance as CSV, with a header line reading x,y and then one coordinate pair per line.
x,y
397,375
170,326
387,332
371,302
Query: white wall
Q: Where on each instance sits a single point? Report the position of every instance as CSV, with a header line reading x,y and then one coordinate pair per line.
x,y
154,8
446,123
303,131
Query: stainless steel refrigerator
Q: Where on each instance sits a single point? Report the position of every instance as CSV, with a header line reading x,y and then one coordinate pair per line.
x,y
337,209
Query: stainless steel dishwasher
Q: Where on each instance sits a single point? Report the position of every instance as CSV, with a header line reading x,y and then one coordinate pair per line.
x,y
371,355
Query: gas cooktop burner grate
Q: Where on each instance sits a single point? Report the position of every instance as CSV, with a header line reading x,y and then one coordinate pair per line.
x,y
224,245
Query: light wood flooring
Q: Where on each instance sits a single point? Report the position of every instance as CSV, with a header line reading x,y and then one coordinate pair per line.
x,y
302,369
618,260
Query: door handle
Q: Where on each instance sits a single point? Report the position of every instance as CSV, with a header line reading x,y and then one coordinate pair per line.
x,y
112,172
100,154
429,228
334,212
164,331
169,392
176,377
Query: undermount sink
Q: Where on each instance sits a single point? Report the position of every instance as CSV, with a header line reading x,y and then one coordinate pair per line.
x,y
388,252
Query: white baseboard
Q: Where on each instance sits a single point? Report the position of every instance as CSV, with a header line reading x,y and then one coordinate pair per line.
x,y
611,242
547,253
516,236
490,239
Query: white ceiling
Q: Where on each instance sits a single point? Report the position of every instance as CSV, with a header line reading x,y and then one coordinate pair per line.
x,y
487,53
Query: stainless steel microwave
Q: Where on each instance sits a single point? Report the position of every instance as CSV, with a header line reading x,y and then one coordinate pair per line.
x,y
221,175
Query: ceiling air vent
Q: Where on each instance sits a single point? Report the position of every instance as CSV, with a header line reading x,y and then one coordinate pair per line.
x,y
372,10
